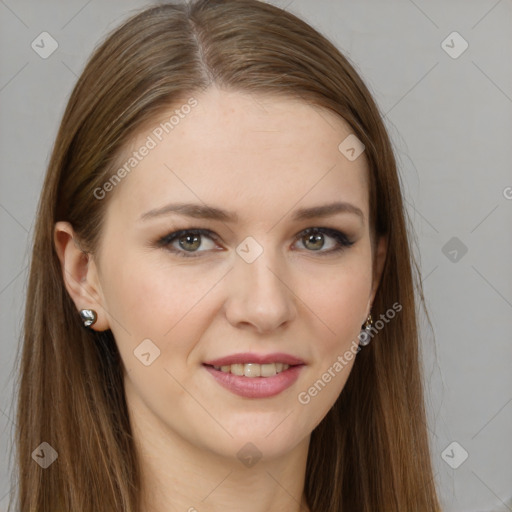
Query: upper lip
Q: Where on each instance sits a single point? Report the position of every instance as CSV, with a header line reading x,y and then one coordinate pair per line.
x,y
248,357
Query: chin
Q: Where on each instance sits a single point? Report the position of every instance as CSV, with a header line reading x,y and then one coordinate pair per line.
x,y
269,440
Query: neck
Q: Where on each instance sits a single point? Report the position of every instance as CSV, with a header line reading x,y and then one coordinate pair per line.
x,y
177,475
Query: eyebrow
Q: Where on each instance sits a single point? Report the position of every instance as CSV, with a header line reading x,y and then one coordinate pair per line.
x,y
199,211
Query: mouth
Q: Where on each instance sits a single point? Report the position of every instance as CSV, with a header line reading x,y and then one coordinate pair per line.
x,y
252,370
255,380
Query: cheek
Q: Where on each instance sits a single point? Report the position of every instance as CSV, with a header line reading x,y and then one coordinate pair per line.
x,y
151,298
155,300
338,297
338,303
343,301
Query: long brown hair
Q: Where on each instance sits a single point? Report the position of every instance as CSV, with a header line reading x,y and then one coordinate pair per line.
x,y
371,450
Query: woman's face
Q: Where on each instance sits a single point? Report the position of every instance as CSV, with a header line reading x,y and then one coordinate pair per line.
x,y
248,172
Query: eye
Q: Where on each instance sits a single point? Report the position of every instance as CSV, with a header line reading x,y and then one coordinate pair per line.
x,y
314,240
186,242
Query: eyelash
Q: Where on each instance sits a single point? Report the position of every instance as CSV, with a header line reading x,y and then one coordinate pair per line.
x,y
166,241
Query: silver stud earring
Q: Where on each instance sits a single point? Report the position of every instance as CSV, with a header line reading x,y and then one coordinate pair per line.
x,y
364,335
88,316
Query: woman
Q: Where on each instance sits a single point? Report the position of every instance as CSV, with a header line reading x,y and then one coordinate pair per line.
x,y
221,308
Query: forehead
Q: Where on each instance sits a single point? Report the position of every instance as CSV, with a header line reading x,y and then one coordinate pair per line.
x,y
243,152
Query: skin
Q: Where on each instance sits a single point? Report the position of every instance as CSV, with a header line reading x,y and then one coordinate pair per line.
x,y
263,158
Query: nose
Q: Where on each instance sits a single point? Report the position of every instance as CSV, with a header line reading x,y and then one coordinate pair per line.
x,y
260,295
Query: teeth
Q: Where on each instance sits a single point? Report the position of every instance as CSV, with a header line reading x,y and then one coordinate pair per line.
x,y
237,369
254,369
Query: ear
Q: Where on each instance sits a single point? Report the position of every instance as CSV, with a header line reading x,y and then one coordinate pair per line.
x,y
380,259
80,274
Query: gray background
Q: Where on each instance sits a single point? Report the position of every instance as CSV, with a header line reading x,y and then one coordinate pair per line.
x,y
450,120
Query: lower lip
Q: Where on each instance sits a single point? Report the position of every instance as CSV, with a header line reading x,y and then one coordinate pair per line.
x,y
256,387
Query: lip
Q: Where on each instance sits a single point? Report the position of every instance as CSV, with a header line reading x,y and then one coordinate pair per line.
x,y
255,387
248,357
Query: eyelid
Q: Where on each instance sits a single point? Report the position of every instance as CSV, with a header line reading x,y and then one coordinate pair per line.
x,y
342,239
338,235
166,240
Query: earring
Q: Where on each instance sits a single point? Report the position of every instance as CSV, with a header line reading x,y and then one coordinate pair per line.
x,y
365,336
89,316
